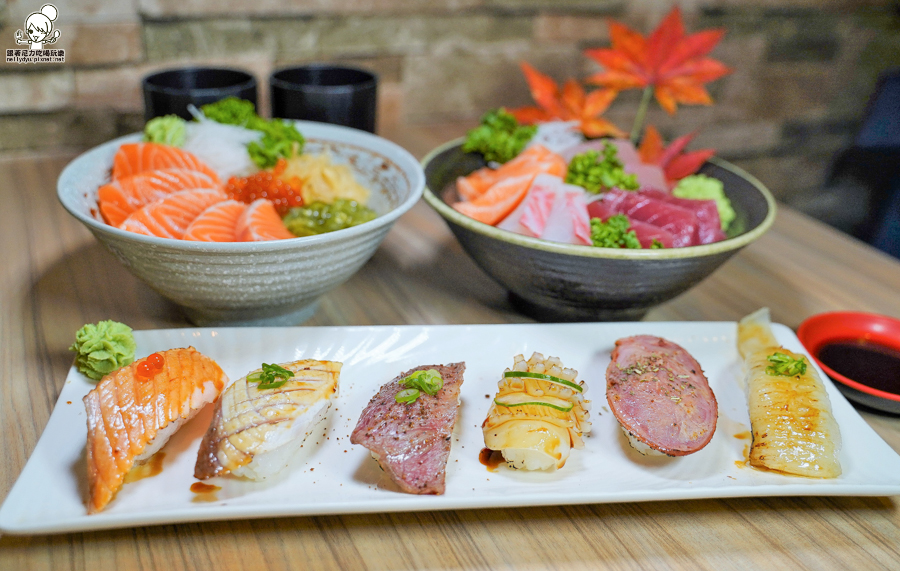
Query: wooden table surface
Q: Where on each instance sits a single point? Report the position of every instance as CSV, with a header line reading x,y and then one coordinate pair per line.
x,y
56,277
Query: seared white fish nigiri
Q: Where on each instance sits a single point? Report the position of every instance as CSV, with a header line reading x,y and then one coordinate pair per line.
x,y
791,422
538,415
255,431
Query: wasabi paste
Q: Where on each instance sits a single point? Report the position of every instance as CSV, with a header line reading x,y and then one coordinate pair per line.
x,y
103,348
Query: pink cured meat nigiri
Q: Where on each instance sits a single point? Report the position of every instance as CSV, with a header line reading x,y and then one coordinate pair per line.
x,y
660,396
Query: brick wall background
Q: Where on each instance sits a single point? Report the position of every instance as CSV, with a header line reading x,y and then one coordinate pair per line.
x,y
804,68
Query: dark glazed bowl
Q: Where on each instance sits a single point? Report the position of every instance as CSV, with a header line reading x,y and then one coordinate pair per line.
x,y
171,91
551,281
330,94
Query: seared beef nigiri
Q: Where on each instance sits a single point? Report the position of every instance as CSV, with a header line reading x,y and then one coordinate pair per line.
x,y
411,440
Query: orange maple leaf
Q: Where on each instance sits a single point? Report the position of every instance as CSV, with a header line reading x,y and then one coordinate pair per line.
x,y
675,162
571,103
672,63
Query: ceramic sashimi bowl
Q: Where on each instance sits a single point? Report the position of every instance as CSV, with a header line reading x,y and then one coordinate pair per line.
x,y
551,281
255,283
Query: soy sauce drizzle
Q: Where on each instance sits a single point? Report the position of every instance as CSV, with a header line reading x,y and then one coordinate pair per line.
x,y
491,458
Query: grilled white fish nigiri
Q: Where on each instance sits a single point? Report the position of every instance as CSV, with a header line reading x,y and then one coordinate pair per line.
x,y
255,431
791,422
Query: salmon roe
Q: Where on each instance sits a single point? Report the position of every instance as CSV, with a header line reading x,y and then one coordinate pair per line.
x,y
150,366
267,184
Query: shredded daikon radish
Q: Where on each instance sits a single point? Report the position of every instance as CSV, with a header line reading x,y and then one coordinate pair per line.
x,y
222,147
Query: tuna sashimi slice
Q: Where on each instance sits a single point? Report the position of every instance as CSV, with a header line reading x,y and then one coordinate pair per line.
x,y
122,196
658,393
709,225
170,216
411,441
218,223
680,222
646,233
134,158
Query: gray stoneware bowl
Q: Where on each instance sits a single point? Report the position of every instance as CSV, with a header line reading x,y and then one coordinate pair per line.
x,y
255,283
550,281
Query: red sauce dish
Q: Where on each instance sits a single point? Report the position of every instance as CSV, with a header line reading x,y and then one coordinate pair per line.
x,y
860,352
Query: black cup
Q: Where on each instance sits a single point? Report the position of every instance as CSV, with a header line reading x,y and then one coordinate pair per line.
x,y
325,93
171,91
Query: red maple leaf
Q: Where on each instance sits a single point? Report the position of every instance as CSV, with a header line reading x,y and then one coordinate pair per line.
x,y
571,103
676,163
672,63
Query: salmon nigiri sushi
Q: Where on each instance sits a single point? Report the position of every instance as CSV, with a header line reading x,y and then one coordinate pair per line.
x,y
133,412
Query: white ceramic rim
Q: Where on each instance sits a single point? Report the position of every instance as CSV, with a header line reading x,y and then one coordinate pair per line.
x,y
405,162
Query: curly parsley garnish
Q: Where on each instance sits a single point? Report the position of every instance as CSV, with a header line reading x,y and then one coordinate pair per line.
x,y
429,381
599,174
613,233
280,139
499,137
785,366
266,377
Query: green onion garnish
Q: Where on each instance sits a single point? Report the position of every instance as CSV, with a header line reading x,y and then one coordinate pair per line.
x,y
784,366
418,382
266,377
407,395
543,377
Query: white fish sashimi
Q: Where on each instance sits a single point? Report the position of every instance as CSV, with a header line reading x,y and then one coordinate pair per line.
x,y
624,150
538,203
569,222
557,136
648,175
255,432
552,210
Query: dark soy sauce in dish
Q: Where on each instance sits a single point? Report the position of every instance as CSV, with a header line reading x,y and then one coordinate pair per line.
x,y
866,363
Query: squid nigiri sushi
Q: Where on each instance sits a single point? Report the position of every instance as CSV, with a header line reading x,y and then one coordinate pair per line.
x,y
791,423
538,415
263,418
133,412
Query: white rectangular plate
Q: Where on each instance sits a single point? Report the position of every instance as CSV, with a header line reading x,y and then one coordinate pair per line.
x,y
335,477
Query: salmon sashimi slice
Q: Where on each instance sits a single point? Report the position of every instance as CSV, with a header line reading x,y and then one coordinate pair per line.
x,y
218,223
261,222
134,158
130,417
170,216
533,160
118,199
501,199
